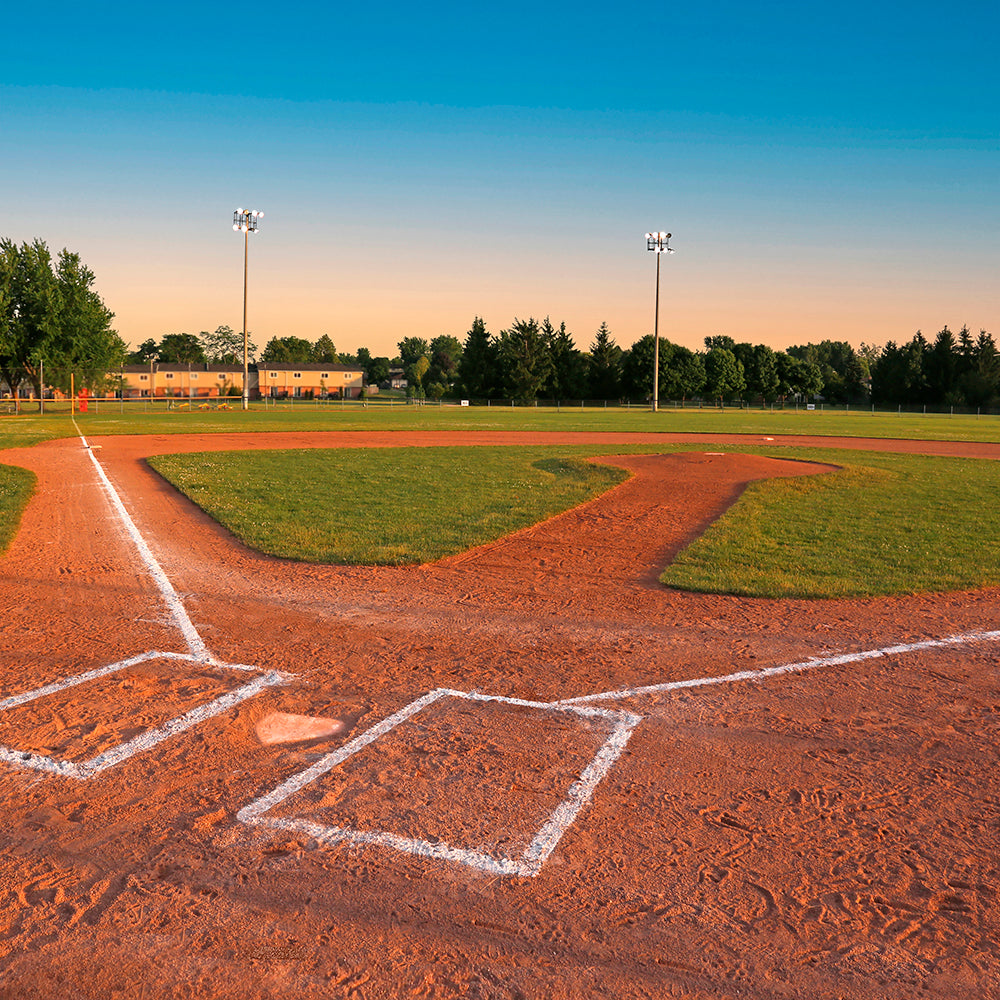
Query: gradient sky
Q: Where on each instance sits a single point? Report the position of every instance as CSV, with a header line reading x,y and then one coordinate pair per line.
x,y
826,171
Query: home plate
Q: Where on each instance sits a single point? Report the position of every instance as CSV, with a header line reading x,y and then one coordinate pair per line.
x,y
283,727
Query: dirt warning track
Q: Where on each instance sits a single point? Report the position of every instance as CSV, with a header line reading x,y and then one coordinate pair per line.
x,y
826,832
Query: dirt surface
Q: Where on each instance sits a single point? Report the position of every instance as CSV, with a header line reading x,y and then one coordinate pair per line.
x,y
822,833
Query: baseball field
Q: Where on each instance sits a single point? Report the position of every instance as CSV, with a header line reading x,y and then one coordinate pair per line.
x,y
524,704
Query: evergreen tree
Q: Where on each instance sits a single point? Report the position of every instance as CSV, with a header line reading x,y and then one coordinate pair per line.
x,y
567,378
324,351
524,359
605,367
477,368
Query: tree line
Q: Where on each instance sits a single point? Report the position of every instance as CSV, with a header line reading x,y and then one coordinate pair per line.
x,y
50,315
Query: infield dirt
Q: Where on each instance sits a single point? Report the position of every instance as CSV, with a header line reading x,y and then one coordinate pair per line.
x,y
820,835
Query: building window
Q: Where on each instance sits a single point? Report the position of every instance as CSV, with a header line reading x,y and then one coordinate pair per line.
x,y
273,374
297,375
143,378
169,374
324,375
222,376
193,376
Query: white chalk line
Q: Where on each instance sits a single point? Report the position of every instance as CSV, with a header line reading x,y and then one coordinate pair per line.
x,y
812,663
166,588
144,741
535,854
199,655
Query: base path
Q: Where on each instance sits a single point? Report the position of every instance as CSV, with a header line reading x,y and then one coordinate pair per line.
x,y
824,834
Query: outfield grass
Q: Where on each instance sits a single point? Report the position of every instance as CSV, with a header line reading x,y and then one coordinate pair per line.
x,y
16,487
884,524
887,524
382,506
353,417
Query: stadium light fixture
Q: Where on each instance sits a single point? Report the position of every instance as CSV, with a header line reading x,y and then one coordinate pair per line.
x,y
246,220
659,243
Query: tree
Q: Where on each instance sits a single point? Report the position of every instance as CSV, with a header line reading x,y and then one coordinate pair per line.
x,y
147,351
288,350
477,368
760,366
412,348
378,371
53,315
605,368
685,374
364,360
637,367
180,349
724,375
568,372
525,363
720,340
324,352
225,346
445,357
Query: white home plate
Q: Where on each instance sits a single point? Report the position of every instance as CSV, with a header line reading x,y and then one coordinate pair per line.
x,y
283,727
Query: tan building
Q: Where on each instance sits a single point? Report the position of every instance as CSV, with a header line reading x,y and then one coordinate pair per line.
x,y
189,381
313,380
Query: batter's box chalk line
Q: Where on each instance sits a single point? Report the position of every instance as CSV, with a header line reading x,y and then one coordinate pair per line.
x,y
544,842
151,737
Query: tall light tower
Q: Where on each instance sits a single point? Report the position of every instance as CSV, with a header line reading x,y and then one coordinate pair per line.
x,y
245,220
659,243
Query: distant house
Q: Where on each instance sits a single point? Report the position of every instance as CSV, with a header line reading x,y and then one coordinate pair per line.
x,y
313,380
397,379
186,381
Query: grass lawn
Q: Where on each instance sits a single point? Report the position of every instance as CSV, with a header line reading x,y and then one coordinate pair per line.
x,y
16,487
884,524
382,506
887,524
107,419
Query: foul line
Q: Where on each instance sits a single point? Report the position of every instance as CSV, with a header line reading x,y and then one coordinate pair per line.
x,y
789,668
170,596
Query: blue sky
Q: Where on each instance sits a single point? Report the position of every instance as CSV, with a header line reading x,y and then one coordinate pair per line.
x,y
826,172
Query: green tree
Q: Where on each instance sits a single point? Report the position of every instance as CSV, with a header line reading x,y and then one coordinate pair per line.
x,y
181,349
324,352
225,346
760,366
568,367
288,350
605,366
445,357
147,351
685,374
478,367
52,314
525,363
724,375
637,367
378,370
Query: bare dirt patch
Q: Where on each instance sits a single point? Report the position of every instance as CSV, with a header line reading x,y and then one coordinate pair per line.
x,y
830,834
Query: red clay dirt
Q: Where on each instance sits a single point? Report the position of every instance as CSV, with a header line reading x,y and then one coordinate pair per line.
x,y
824,834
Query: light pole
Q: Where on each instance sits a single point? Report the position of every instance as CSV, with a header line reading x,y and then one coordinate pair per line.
x,y
659,244
245,220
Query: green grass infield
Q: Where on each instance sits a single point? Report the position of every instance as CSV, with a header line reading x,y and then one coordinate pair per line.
x,y
883,524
